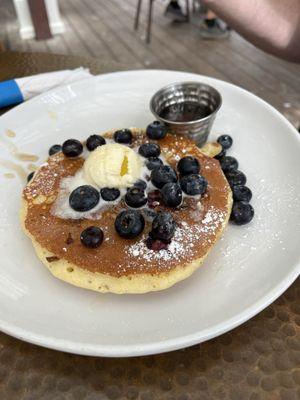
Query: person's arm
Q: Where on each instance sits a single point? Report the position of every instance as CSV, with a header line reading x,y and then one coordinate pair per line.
x,y
272,25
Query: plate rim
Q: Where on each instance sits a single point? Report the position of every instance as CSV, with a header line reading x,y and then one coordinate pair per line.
x,y
158,347
164,345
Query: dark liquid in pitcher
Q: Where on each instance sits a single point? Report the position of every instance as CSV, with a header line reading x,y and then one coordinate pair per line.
x,y
184,112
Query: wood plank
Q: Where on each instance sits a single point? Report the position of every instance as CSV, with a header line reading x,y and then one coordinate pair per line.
x,y
154,55
3,35
122,52
172,52
14,41
168,47
57,45
150,56
10,26
268,81
283,67
73,41
86,31
127,37
37,45
98,29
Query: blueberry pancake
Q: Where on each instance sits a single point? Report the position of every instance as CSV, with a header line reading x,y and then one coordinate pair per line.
x,y
130,211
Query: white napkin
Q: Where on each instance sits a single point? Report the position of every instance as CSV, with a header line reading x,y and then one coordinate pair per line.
x,y
31,86
15,91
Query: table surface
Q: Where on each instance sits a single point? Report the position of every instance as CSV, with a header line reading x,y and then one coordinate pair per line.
x,y
257,361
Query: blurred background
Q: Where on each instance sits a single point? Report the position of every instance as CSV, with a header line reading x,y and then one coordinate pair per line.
x,y
180,35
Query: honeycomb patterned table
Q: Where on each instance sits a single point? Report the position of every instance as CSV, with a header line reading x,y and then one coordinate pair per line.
x,y
260,360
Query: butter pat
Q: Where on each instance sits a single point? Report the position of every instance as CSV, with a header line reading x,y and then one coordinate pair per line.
x,y
113,165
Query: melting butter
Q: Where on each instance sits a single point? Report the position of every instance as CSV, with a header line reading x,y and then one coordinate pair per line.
x,y
113,165
124,167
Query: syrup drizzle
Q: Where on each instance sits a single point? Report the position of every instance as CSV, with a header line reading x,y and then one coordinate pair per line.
x,y
10,165
32,167
9,175
14,151
10,133
25,157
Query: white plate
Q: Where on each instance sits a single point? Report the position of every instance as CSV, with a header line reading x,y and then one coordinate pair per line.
x,y
246,271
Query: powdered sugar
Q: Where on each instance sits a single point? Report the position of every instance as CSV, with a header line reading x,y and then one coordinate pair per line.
x,y
212,219
186,242
175,249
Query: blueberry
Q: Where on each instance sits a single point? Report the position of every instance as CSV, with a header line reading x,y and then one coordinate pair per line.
x,y
92,237
129,224
242,213
148,214
30,176
154,198
188,165
162,175
140,184
94,141
110,194
220,155
163,227
84,198
149,150
171,194
72,148
123,136
54,149
228,163
156,130
153,162
241,193
235,178
193,184
156,244
135,197
225,141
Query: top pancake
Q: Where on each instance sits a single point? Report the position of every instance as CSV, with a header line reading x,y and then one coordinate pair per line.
x,y
198,224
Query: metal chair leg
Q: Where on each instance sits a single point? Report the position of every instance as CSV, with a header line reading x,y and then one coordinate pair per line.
x,y
193,6
187,10
148,36
137,14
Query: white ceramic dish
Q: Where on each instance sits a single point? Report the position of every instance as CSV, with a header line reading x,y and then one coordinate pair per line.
x,y
248,269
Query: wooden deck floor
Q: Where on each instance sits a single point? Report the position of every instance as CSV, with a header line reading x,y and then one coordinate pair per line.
x,y
104,29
